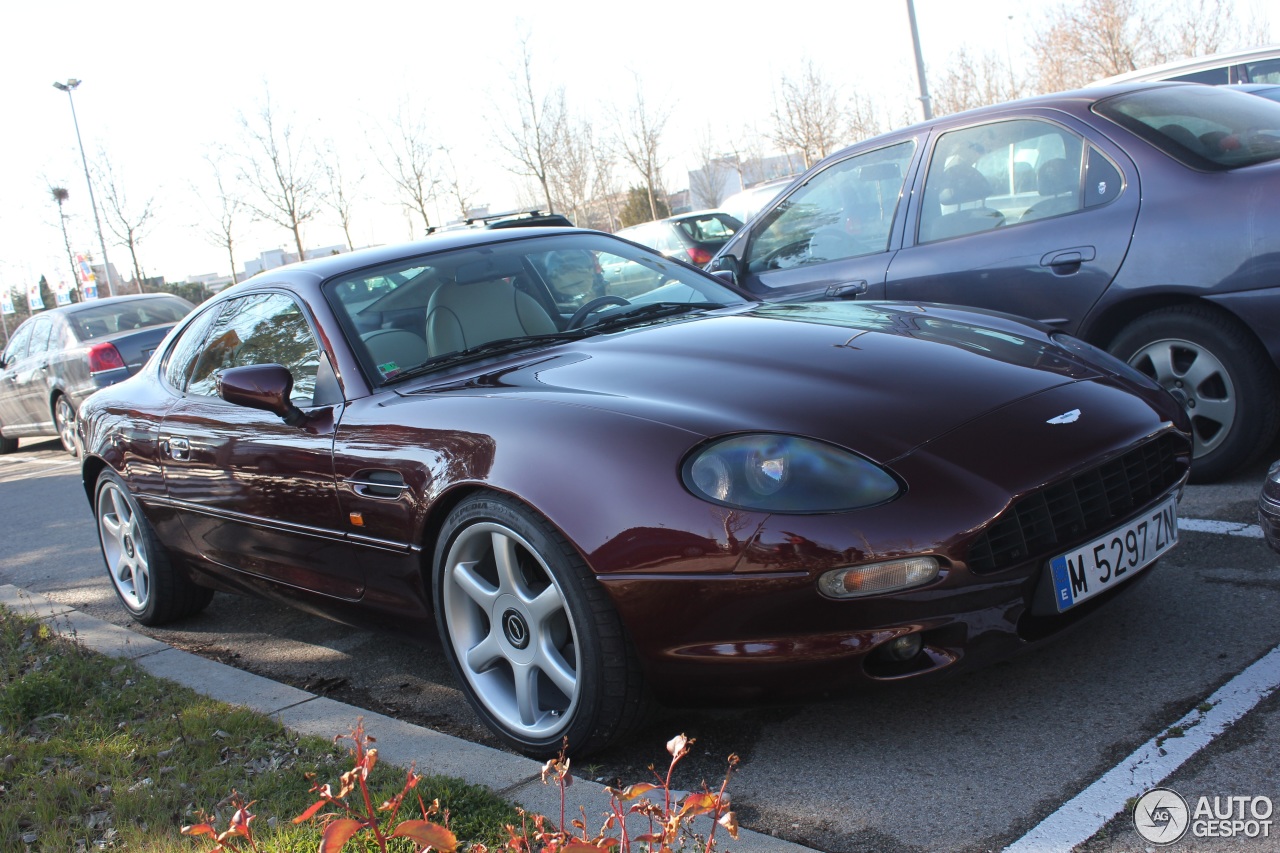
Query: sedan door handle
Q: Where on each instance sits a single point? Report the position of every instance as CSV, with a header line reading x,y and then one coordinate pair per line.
x,y
1072,257
178,448
847,290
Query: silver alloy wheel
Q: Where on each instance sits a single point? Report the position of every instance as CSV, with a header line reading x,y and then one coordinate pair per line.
x,y
1197,377
122,545
511,630
64,415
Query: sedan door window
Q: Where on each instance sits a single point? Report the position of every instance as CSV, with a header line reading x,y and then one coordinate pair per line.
x,y
1000,174
843,212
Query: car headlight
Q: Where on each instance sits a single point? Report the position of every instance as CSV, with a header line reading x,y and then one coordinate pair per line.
x,y
1103,359
786,474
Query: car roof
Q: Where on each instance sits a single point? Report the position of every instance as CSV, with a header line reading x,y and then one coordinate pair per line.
x,y
1077,98
108,300
1195,63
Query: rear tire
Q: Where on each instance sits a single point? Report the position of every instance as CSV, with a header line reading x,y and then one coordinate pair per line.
x,y
67,423
1229,382
150,587
530,633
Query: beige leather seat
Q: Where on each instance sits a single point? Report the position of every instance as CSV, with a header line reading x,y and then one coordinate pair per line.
x,y
395,348
460,316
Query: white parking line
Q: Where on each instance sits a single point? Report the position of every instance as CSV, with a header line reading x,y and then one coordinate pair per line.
x,y
1230,528
1084,814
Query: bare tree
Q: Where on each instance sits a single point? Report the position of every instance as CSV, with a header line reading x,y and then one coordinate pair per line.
x,y
60,195
127,222
458,185
604,185
973,82
640,138
810,115
572,170
1094,39
531,140
713,180
341,190
406,156
222,232
284,173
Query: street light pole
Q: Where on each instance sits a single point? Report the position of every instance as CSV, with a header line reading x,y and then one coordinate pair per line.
x,y
925,101
106,268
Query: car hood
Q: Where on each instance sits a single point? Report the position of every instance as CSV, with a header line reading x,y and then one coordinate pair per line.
x,y
879,378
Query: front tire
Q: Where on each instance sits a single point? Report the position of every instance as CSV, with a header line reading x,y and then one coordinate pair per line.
x,y
150,587
1226,377
532,637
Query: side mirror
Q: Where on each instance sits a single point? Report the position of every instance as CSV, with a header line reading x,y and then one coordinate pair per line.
x,y
261,386
726,267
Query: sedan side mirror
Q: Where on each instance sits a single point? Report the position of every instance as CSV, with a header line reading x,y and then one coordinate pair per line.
x,y
261,386
726,267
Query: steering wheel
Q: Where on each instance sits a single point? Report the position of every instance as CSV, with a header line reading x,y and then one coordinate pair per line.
x,y
591,306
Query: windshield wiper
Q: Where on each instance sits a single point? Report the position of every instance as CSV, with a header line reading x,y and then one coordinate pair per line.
x,y
498,347
652,311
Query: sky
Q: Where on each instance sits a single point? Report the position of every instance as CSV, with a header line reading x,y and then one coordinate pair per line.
x,y
164,84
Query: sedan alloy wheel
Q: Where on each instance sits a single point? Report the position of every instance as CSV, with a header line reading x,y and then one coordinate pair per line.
x,y
64,416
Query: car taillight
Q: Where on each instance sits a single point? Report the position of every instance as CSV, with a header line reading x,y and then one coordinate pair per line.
x,y
700,257
104,357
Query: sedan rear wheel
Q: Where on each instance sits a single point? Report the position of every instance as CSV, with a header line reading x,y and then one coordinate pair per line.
x,y
1220,373
64,418
531,635
149,586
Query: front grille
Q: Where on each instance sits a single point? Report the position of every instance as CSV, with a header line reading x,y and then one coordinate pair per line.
x,y
1082,507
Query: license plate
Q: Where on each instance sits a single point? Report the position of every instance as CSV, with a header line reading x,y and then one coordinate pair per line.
x,y
1096,566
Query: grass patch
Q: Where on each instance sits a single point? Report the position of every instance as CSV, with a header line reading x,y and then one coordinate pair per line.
x,y
96,754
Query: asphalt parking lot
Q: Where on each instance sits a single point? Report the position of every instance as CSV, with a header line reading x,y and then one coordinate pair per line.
x,y
1173,687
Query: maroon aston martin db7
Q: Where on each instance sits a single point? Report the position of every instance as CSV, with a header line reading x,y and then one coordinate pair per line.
x,y
609,478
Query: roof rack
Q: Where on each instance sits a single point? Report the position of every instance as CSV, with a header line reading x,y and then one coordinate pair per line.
x,y
510,219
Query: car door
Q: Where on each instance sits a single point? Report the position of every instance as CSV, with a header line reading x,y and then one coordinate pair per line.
x,y
834,235
12,410
31,378
1030,215
255,494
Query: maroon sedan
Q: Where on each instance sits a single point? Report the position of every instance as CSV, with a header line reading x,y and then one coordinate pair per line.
x,y
680,493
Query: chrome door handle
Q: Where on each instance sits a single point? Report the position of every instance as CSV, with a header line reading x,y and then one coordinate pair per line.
x,y
179,448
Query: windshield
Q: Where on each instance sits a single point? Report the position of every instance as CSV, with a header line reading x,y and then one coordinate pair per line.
x,y
1205,127
434,310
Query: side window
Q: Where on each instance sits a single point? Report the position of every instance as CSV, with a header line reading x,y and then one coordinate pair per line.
x,y
843,212
181,360
1001,174
42,330
1102,180
1211,76
18,344
266,328
1263,71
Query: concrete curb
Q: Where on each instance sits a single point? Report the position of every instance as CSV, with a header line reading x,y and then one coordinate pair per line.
x,y
514,777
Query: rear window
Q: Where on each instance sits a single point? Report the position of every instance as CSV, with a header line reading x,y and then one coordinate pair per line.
x,y
1207,128
709,228
115,317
